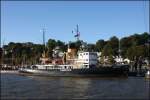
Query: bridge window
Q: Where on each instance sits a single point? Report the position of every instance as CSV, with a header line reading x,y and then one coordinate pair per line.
x,y
65,67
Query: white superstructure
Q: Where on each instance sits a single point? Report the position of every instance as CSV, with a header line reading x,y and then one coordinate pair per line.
x,y
87,59
119,59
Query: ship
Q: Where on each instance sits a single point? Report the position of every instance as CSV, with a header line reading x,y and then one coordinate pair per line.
x,y
85,65
74,62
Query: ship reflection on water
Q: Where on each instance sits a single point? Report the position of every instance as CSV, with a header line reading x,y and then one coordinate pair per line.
x,y
15,86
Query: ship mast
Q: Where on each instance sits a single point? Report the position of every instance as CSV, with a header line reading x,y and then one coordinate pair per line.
x,y
0,39
119,50
44,31
0,50
77,33
44,46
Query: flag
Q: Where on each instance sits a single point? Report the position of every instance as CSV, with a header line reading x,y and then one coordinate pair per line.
x,y
77,35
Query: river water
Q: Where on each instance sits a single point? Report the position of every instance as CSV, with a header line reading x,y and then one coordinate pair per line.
x,y
16,86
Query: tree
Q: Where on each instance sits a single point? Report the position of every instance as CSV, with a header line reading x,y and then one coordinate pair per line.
x,y
137,51
114,43
107,50
100,45
91,47
111,48
51,45
29,53
125,43
61,45
132,41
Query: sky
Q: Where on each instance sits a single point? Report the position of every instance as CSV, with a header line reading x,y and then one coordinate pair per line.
x,y
22,21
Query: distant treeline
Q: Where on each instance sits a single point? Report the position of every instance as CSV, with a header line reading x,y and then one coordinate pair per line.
x,y
29,53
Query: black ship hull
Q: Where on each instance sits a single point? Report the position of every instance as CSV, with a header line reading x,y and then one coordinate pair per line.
x,y
101,71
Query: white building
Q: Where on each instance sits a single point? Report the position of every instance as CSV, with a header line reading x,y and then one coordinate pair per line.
x,y
87,59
